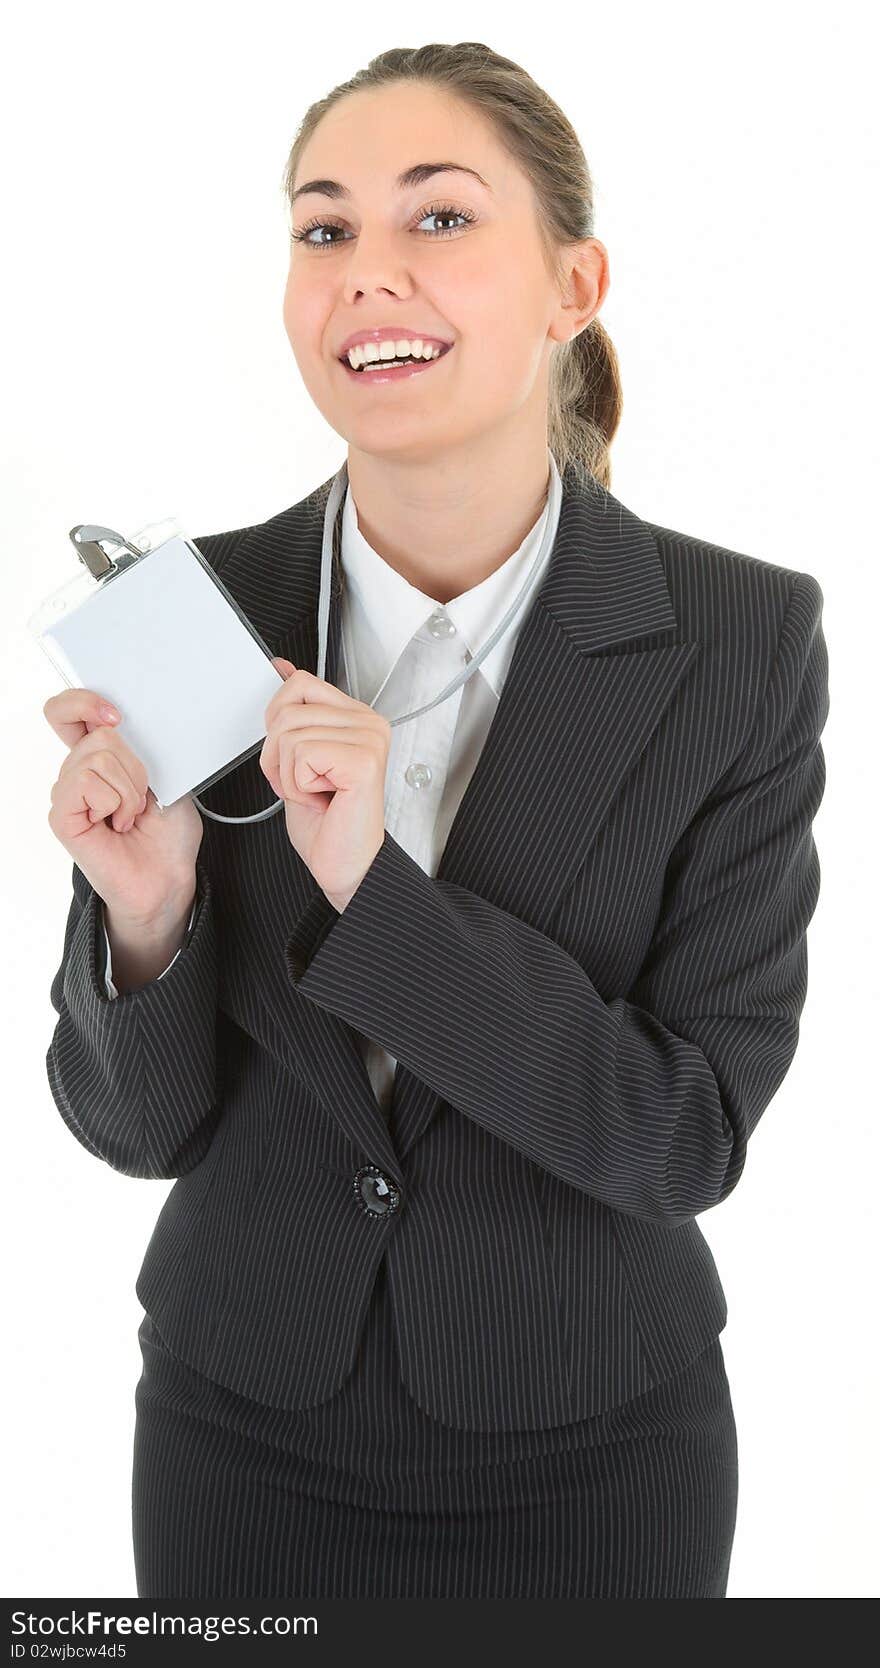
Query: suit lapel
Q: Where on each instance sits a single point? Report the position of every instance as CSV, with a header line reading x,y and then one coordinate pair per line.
x,y
597,661
328,1055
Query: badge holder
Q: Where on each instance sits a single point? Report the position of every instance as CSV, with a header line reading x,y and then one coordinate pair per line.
x,y
152,628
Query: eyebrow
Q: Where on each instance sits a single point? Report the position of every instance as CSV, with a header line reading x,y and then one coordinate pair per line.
x,y
416,175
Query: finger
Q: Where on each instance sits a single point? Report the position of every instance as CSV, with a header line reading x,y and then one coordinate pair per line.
x,y
319,764
355,718
98,784
313,723
305,686
106,737
73,712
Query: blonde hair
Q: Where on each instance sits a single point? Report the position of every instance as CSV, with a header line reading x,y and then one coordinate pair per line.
x,y
584,393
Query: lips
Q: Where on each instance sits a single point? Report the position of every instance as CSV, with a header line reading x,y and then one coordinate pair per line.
x,y
380,372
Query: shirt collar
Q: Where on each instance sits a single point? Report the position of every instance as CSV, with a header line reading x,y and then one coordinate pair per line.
x,y
384,611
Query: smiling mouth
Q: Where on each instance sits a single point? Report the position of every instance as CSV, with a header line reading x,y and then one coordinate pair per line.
x,y
377,369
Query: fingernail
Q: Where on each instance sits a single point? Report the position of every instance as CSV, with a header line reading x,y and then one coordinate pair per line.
x,y
110,713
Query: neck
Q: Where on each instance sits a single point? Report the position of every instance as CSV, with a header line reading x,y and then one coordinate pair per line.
x,y
448,522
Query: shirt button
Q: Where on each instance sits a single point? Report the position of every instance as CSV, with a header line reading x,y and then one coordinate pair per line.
x,y
440,624
375,1192
418,775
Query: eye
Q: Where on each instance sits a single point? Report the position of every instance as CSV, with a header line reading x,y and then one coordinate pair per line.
x,y
440,211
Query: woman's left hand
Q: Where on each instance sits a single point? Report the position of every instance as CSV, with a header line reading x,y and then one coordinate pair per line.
x,y
325,755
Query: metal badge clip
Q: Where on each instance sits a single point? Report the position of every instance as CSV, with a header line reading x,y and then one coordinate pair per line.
x,y
87,542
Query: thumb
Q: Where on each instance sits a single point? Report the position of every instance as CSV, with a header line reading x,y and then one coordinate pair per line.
x,y
285,667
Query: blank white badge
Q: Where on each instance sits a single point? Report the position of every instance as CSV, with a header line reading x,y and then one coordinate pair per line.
x,y
170,648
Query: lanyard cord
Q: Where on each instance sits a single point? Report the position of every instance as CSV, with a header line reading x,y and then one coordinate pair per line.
x,y
337,492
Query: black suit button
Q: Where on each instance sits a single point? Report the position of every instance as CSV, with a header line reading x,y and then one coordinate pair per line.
x,y
375,1192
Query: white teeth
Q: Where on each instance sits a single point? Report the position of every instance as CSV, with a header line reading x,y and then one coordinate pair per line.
x,y
366,353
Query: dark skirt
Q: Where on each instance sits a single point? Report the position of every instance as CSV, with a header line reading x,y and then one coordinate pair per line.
x,y
369,1496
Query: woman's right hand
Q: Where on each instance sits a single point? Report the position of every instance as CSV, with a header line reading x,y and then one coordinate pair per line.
x,y
141,861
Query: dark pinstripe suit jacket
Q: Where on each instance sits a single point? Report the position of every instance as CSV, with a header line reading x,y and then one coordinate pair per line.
x,y
591,1004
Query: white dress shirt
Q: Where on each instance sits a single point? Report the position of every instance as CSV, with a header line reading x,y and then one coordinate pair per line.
x,y
399,649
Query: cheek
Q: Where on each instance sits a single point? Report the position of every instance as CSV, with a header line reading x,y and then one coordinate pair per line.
x,y
496,321
500,367
290,314
303,315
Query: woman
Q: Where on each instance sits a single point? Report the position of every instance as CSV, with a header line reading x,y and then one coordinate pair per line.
x,y
447,1060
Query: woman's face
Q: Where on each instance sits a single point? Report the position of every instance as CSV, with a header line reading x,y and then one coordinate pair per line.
x,y
447,256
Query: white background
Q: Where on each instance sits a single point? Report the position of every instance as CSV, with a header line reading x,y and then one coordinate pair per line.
x,y
147,374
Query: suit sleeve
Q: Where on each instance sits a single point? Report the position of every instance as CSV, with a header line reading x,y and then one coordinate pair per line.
x,y
646,1101
134,1076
